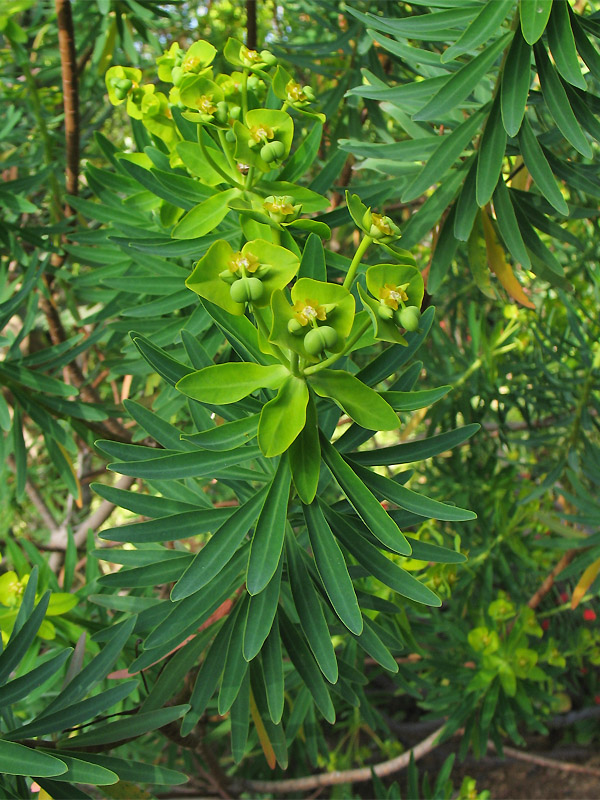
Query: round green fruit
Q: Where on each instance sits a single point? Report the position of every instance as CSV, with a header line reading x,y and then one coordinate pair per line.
x,y
409,318
246,290
272,151
385,312
319,339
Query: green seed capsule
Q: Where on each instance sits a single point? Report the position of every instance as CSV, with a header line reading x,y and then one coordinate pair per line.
x,y
228,276
222,113
246,290
235,111
409,318
319,339
272,151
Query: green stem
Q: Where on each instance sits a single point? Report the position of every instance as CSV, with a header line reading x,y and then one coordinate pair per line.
x,y
245,95
336,356
249,178
295,363
227,150
361,250
265,332
213,165
276,233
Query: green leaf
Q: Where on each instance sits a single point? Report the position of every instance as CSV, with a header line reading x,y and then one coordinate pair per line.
x,y
312,263
236,666
372,644
205,217
35,380
491,155
167,367
267,542
366,506
192,465
168,528
16,759
358,400
558,103
534,18
434,26
240,720
304,156
261,613
136,725
272,663
226,437
412,501
463,82
538,166
562,45
462,214
305,456
378,565
508,225
96,670
482,28
411,401
306,666
415,451
309,610
134,771
332,569
228,383
283,417
21,639
220,548
213,665
516,78
82,771
449,150
19,688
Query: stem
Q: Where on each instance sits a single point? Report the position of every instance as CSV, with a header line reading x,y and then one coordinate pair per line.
x,y
336,356
295,363
361,250
265,332
213,165
245,93
68,64
226,149
249,178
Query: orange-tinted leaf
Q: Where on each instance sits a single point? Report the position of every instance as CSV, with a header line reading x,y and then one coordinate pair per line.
x,y
586,580
263,736
499,265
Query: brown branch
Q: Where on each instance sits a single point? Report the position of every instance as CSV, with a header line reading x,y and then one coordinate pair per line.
x,y
348,776
542,761
548,583
68,63
251,40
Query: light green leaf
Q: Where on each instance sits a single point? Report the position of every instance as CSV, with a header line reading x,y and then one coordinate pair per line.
x,y
228,383
283,417
482,28
358,400
204,217
82,771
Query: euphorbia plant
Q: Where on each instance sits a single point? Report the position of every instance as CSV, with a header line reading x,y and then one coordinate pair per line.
x,y
306,532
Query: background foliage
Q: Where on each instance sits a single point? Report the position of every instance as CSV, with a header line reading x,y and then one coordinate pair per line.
x,y
474,127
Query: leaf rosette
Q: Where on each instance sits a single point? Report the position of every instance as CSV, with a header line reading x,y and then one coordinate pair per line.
x,y
267,266
325,308
394,289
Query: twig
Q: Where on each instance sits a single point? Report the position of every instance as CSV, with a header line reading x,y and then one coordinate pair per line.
x,y
542,761
37,500
548,583
68,63
346,776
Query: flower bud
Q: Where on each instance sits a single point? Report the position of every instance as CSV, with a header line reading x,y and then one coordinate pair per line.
x,y
230,135
309,93
268,58
294,327
272,151
222,113
177,74
245,290
385,312
409,318
235,111
228,276
319,339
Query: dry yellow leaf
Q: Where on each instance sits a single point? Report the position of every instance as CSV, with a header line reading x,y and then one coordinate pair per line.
x,y
586,580
263,736
499,265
